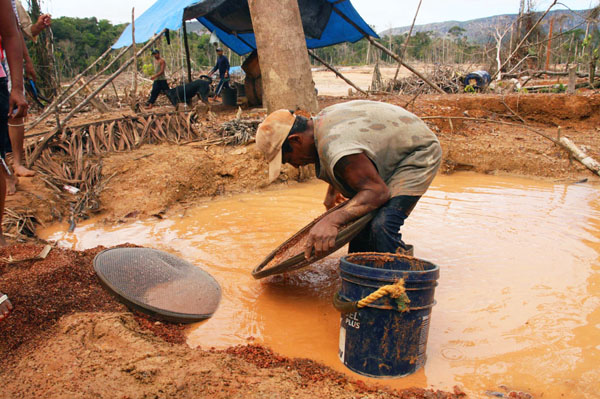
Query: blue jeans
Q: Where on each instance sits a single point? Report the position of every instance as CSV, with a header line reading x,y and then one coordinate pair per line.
x,y
382,234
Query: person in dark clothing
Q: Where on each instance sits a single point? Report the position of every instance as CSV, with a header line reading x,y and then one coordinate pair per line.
x,y
222,66
160,84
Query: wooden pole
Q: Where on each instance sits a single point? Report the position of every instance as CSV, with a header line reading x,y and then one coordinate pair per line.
x,y
40,147
406,43
572,79
384,49
410,68
316,57
187,52
549,45
133,49
49,110
53,105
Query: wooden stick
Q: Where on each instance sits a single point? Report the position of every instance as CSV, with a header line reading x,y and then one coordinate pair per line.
x,y
187,52
391,54
35,155
406,43
523,40
134,53
63,102
316,57
82,74
410,68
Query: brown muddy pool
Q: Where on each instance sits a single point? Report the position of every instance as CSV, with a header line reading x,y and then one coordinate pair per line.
x,y
518,301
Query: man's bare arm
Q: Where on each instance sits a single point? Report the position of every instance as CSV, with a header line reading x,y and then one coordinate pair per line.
x,y
12,43
359,173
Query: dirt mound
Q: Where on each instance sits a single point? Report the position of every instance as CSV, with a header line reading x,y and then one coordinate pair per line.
x,y
107,355
67,337
43,291
150,180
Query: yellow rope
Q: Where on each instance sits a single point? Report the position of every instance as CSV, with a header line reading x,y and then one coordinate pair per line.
x,y
395,290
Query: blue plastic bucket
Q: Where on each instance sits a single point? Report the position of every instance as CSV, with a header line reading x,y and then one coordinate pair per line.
x,y
387,338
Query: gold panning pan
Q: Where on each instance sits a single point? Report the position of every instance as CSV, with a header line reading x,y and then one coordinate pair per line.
x,y
289,256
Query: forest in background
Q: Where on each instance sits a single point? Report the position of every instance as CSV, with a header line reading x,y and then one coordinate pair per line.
x,y
77,42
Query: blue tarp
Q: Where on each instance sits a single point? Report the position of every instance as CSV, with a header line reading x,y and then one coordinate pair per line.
x,y
168,14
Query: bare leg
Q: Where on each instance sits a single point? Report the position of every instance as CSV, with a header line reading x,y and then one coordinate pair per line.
x,y
17,132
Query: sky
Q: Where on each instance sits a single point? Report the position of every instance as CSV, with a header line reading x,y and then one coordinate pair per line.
x,y
383,14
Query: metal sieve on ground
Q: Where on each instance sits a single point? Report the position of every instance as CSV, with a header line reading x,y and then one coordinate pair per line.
x,y
158,283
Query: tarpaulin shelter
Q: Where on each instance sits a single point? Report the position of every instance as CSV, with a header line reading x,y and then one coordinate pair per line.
x,y
325,22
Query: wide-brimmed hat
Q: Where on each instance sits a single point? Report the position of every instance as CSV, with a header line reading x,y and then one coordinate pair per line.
x,y
270,136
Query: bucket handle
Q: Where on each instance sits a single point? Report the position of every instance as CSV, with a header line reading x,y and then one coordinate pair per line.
x,y
396,291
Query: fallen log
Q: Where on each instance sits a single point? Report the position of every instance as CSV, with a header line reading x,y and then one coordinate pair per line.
x,y
579,155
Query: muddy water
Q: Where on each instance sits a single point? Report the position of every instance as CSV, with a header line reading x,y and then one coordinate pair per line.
x,y
518,301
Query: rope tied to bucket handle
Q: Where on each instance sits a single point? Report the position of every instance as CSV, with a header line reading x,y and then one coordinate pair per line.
x,y
396,291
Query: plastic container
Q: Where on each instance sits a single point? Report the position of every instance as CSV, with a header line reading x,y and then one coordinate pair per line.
x,y
380,340
229,96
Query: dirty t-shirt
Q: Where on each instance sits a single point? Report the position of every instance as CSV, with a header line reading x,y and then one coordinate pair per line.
x,y
405,152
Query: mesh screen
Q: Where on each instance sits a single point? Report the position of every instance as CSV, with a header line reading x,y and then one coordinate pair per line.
x,y
159,282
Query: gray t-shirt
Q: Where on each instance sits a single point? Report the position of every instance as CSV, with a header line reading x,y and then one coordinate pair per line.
x,y
405,152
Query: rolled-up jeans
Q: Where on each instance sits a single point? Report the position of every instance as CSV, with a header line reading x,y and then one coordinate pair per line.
x,y
382,234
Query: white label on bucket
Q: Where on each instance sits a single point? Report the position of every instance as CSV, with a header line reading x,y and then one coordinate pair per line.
x,y
352,320
342,346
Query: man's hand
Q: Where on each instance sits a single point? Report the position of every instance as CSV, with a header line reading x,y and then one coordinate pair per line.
x,y
321,237
17,102
45,20
30,70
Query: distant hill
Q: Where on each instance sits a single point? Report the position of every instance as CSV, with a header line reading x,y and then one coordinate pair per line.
x,y
481,30
196,27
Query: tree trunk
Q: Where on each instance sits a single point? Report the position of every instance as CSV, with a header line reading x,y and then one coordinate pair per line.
x,y
284,63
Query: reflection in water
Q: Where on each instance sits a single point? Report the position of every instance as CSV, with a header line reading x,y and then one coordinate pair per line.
x,y
518,301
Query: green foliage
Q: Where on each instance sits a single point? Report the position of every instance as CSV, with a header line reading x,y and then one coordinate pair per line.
x,y
456,31
80,41
148,69
559,88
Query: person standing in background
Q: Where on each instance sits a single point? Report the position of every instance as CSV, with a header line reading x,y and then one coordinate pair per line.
x,y
160,84
222,66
